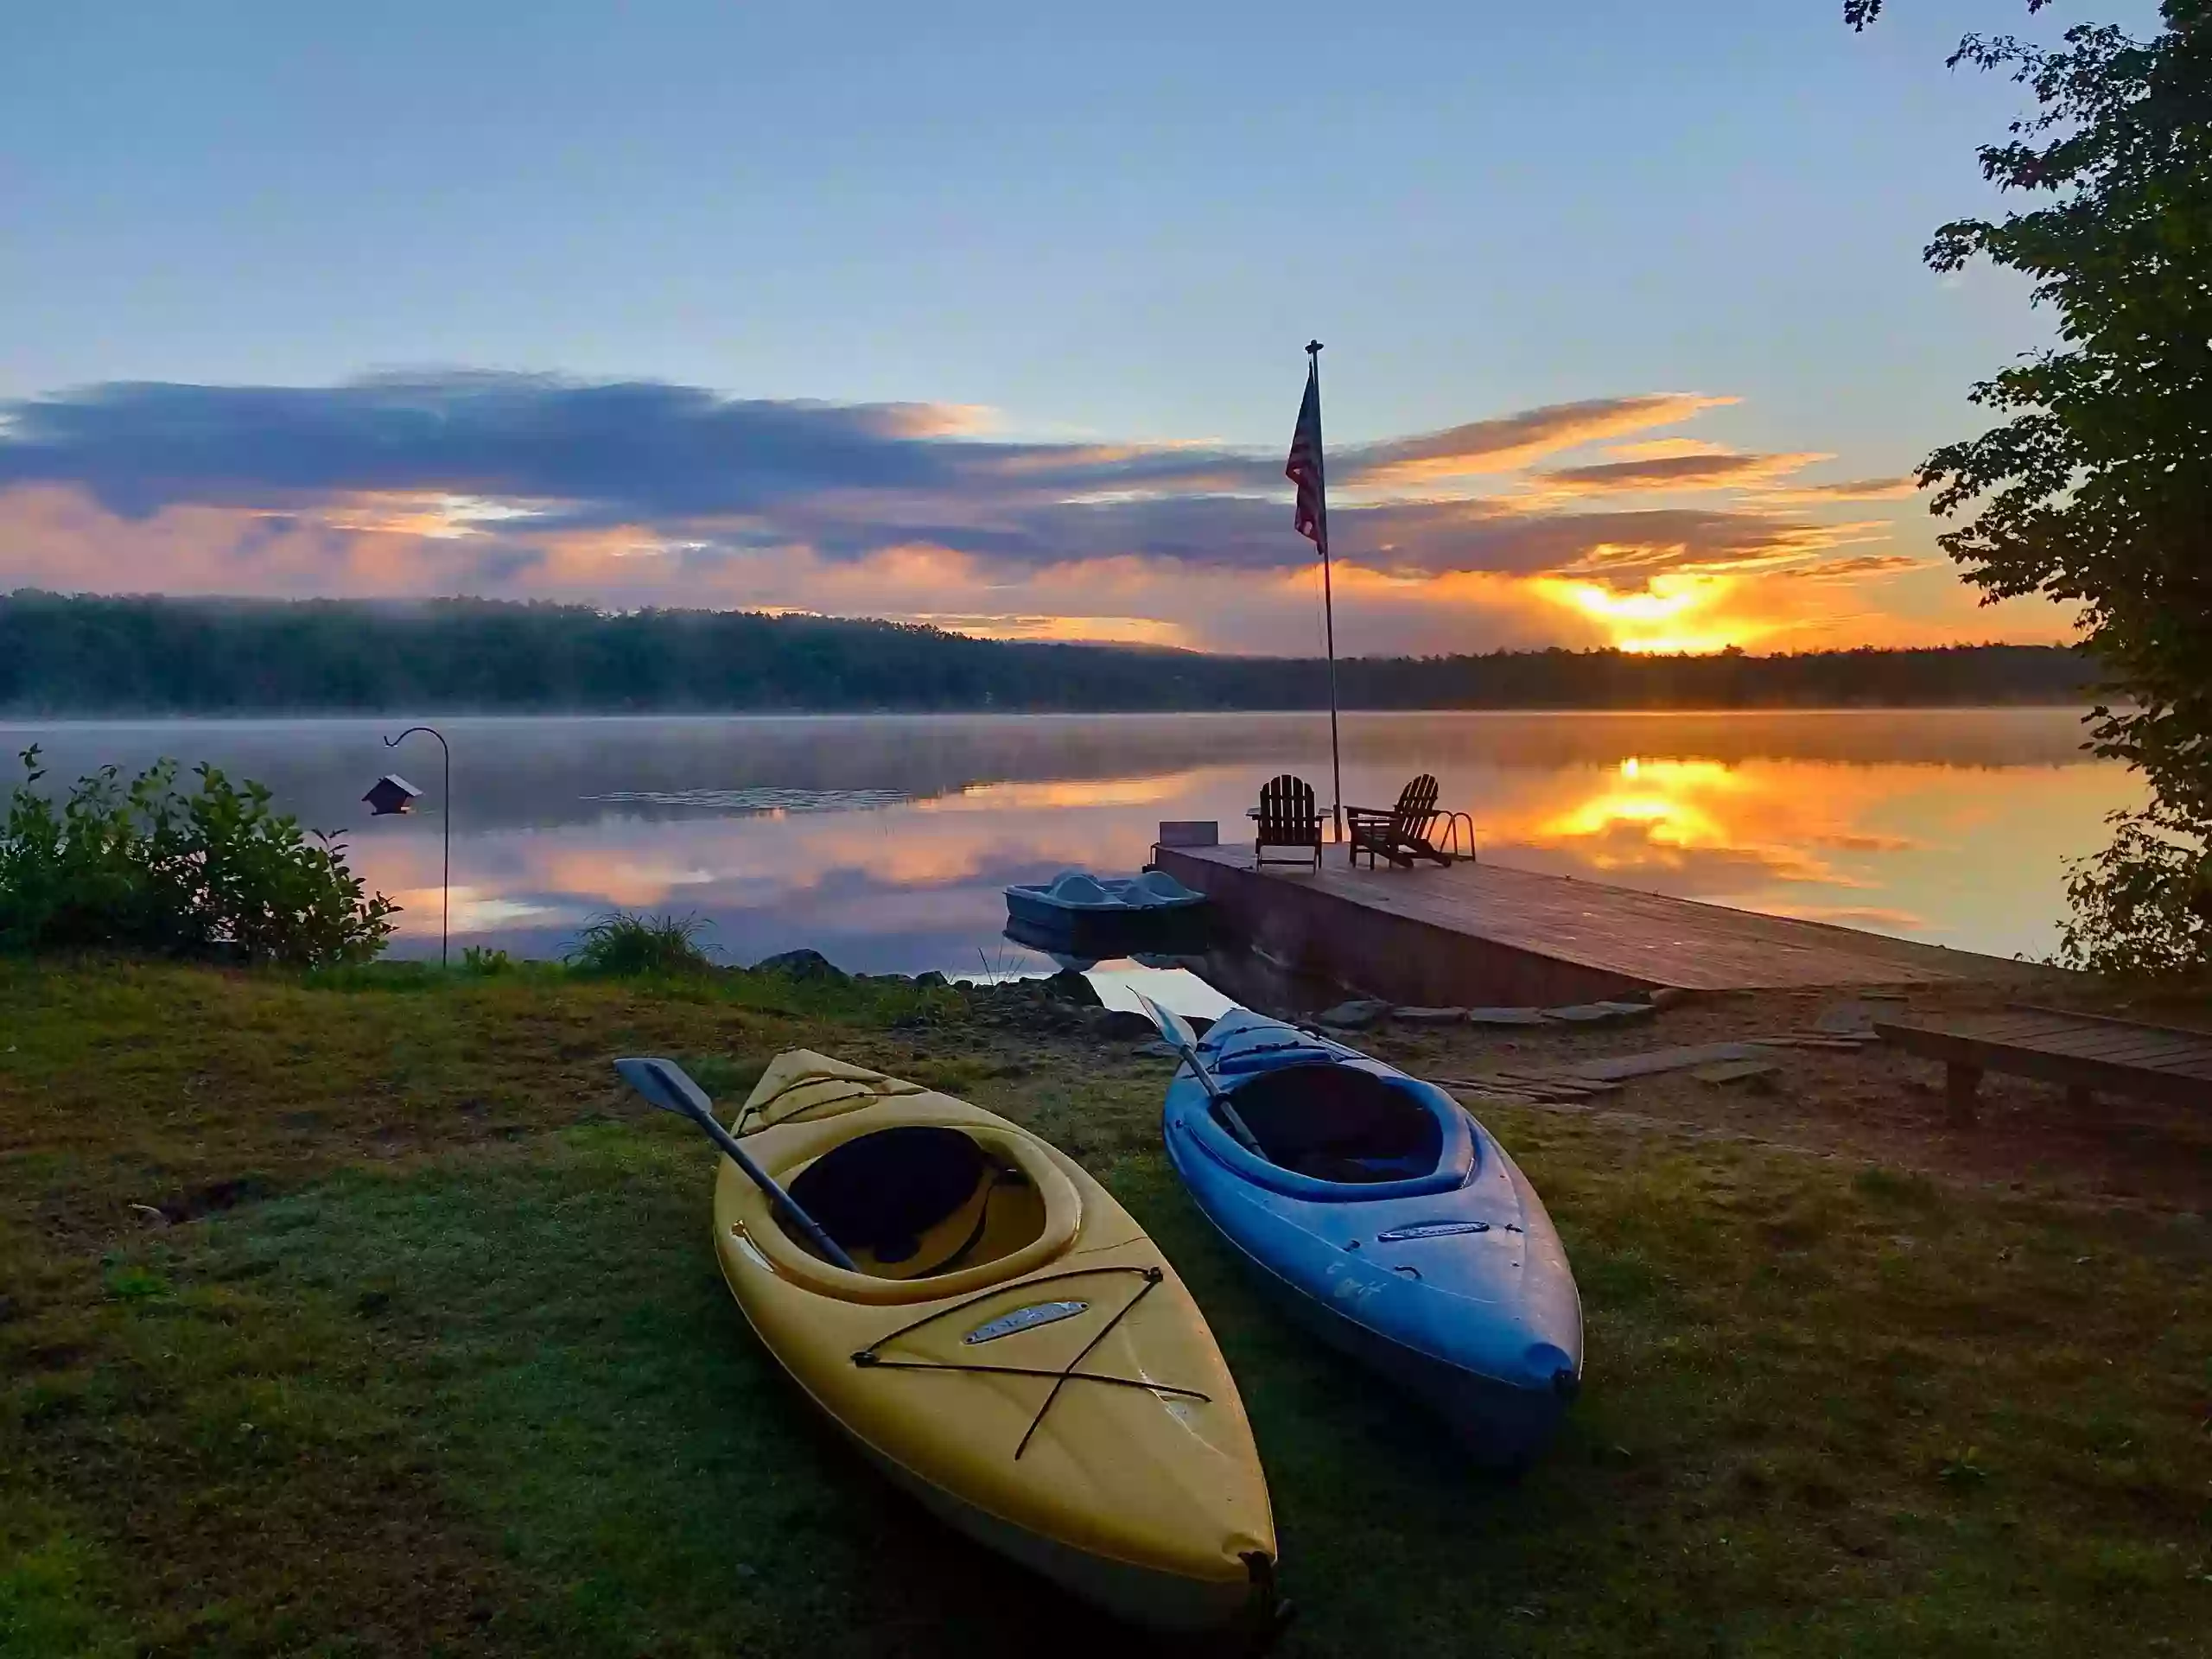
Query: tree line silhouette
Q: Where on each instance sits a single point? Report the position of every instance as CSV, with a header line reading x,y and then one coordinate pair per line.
x,y
74,654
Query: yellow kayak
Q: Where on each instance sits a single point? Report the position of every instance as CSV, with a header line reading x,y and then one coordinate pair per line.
x,y
1014,1349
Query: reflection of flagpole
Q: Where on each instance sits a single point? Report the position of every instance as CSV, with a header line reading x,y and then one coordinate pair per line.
x,y
1306,468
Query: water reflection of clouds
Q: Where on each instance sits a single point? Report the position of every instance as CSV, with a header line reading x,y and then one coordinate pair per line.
x,y
906,888
1709,827
1061,795
1900,849
886,843
1973,856
770,803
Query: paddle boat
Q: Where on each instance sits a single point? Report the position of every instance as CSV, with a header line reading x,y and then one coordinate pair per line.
x,y
1114,913
994,1333
1386,1218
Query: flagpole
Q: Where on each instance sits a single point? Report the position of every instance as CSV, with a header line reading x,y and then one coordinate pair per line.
x,y
1328,610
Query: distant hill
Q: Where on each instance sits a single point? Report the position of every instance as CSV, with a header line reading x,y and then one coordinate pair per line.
x,y
90,656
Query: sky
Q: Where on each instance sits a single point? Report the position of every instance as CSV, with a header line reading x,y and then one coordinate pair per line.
x,y
993,315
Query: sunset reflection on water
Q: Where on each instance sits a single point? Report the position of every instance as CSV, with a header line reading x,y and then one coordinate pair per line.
x,y
889,840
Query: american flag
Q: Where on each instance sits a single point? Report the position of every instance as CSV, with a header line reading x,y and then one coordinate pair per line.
x,y
1304,467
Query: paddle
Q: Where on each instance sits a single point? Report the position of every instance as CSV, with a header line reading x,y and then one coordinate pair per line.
x,y
1180,1037
665,1083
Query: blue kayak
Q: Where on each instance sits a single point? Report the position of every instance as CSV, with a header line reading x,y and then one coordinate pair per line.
x,y
1391,1223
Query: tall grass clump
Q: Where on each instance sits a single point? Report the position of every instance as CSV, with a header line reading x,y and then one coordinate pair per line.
x,y
211,873
622,942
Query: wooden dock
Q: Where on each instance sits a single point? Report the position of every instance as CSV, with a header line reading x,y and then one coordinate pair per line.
x,y
1478,934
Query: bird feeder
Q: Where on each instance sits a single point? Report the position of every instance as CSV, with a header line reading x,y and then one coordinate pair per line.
x,y
390,794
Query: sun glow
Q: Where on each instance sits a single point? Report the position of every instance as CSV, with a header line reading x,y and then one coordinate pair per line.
x,y
1662,616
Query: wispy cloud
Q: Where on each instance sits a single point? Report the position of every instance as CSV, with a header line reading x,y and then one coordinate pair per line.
x,y
1513,441
1700,469
1662,449
1851,489
1861,565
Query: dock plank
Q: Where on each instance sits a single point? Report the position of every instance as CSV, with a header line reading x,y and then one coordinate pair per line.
x,y
1487,931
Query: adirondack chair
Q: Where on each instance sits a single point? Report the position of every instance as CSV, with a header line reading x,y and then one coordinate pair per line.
x,y
1401,833
1286,820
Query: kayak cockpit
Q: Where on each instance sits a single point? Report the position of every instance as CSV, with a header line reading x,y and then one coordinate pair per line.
x,y
916,1200
1339,1123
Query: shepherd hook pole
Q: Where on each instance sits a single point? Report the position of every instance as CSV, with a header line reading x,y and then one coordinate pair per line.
x,y
445,912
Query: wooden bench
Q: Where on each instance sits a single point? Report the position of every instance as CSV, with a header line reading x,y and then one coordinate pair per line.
x,y
2084,1053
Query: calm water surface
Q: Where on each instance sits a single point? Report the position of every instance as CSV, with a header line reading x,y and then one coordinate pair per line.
x,y
883,842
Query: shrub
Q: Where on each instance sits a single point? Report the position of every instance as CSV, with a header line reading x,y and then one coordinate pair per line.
x,y
626,942
211,873
2142,908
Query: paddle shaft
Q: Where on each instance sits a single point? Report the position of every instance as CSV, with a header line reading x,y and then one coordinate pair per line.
x,y
1219,1097
1177,1035
785,1206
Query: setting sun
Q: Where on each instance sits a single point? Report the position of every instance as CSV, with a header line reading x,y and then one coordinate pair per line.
x,y
1660,617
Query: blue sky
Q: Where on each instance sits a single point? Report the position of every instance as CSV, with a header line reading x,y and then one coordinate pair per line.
x,y
1092,228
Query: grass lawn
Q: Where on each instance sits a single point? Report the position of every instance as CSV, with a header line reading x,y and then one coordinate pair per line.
x,y
419,1347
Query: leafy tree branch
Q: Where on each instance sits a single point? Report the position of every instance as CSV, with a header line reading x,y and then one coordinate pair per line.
x,y
2096,489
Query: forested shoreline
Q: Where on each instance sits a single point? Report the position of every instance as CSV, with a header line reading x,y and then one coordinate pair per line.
x,y
87,655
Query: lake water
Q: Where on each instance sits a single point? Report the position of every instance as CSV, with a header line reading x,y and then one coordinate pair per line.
x,y
883,842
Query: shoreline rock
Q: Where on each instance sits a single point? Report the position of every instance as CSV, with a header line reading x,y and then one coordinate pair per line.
x,y
1362,1014
802,965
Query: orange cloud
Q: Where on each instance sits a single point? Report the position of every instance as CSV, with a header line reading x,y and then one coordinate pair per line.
x,y
1700,469
1855,489
419,513
1665,450
1861,565
1500,446
931,420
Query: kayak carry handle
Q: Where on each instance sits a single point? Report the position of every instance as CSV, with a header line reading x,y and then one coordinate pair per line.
x,y
666,1085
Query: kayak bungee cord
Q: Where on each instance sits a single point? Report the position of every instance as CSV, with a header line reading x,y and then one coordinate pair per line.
x,y
861,1086
1152,1276
870,1356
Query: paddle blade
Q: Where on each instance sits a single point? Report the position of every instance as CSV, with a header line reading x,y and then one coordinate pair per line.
x,y
666,1085
1172,1026
1184,1041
